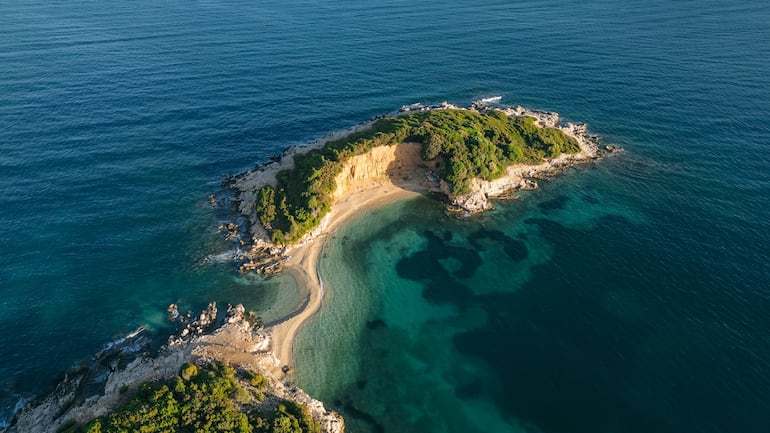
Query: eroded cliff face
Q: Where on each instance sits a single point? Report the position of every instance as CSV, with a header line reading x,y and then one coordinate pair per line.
x,y
395,164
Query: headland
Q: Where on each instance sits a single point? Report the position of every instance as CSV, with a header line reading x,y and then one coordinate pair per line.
x,y
121,388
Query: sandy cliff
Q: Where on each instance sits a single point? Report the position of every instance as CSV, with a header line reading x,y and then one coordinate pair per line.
x,y
397,164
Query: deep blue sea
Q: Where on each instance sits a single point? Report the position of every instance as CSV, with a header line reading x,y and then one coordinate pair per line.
x,y
631,295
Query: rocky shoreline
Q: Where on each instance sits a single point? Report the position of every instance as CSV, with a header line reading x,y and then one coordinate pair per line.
x,y
93,389
263,256
521,177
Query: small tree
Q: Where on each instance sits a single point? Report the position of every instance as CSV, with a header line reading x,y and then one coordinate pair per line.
x,y
432,146
188,371
266,206
286,423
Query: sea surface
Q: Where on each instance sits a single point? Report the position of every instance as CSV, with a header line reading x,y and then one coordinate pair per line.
x,y
631,295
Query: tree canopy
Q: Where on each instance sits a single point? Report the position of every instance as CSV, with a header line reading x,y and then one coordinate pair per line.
x,y
214,399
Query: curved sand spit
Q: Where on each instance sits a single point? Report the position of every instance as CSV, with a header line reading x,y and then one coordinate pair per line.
x,y
303,264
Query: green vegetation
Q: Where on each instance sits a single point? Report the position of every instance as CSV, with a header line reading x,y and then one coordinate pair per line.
x,y
266,205
188,371
467,145
256,380
204,399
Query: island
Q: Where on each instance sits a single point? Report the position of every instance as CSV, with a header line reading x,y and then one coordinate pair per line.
x,y
469,155
230,374
463,156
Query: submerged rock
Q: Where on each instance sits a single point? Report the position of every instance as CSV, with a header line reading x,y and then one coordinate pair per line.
x,y
172,313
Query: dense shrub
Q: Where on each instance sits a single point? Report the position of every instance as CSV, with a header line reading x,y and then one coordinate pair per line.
x,y
188,371
266,205
469,144
209,399
256,380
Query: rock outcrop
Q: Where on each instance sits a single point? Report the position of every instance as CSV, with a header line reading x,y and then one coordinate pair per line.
x,y
516,178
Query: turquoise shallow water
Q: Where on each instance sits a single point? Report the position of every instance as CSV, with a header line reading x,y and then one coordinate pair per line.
x,y
554,312
628,296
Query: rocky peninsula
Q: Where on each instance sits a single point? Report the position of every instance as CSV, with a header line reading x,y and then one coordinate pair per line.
x,y
237,346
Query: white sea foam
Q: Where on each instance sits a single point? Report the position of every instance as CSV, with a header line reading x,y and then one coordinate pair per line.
x,y
491,100
223,257
6,422
122,340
